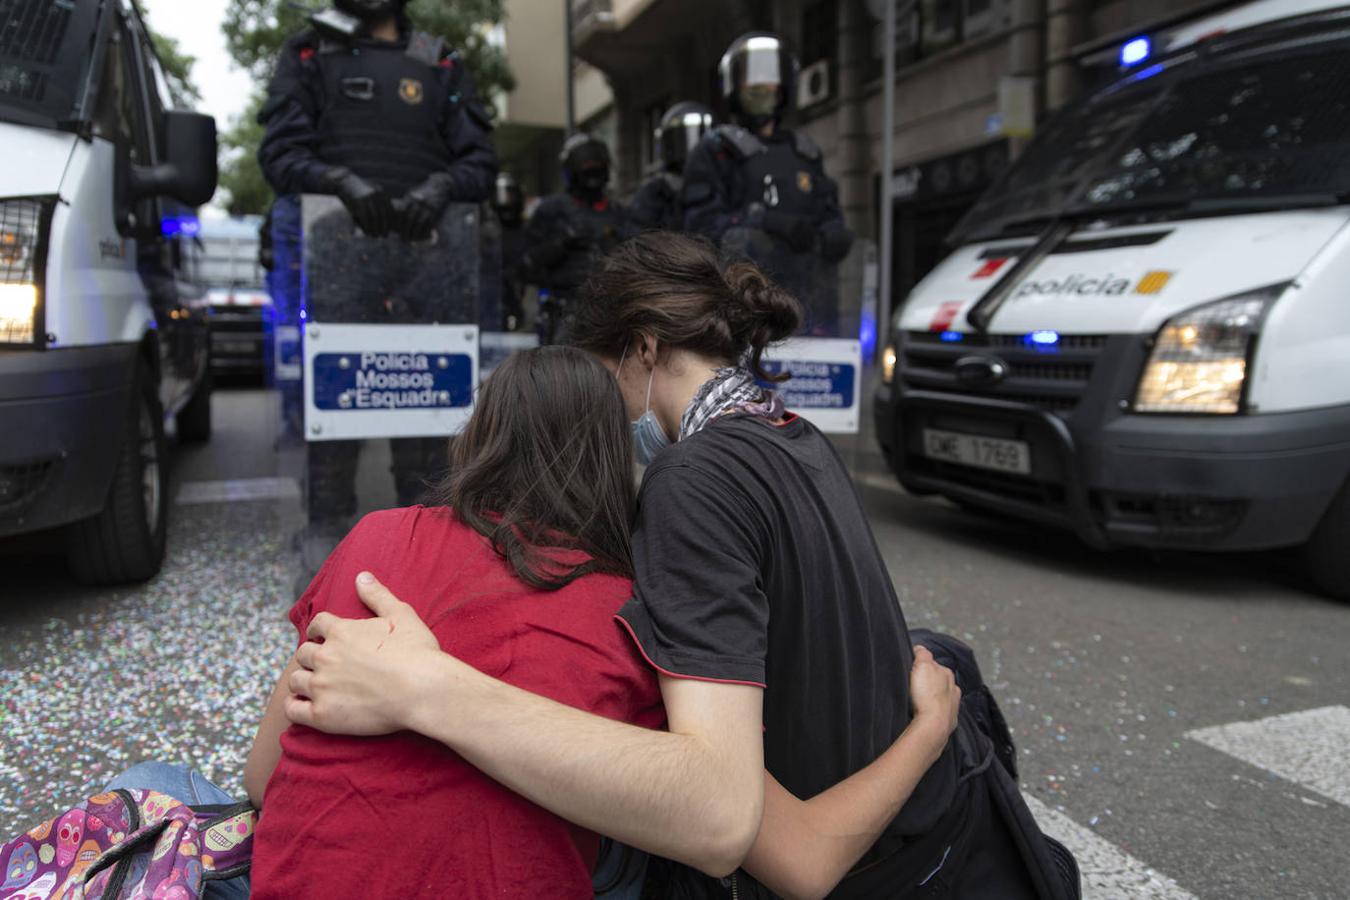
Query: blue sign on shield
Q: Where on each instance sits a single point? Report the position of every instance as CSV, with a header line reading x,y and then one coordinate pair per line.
x,y
825,386
391,380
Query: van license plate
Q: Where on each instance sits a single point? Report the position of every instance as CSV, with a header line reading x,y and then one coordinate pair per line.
x,y
980,452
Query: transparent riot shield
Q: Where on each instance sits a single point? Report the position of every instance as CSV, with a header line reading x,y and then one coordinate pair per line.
x,y
491,303
389,331
808,277
497,306
825,359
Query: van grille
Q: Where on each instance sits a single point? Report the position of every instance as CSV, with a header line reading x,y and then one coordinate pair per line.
x,y
1053,379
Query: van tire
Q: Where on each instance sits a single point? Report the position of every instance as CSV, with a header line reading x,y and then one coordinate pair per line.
x,y
124,543
1327,553
194,419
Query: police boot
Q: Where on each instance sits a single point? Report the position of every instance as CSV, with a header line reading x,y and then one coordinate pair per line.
x,y
317,542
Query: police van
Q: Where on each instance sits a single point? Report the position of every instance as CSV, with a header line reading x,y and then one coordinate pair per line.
x,y
102,337
1143,334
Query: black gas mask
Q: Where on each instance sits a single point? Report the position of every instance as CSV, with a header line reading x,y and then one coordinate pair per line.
x,y
585,163
590,181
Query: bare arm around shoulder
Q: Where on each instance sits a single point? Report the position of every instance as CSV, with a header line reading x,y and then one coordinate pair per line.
x,y
266,751
805,847
694,793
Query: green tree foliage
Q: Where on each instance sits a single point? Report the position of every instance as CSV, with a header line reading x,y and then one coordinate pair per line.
x,y
255,31
177,70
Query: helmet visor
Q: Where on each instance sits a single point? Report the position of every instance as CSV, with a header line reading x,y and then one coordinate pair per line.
x,y
681,135
760,61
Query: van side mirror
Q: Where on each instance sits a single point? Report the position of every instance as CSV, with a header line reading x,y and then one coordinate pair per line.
x,y
189,172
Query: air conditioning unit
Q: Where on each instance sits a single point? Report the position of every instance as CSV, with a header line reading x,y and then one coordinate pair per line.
x,y
814,85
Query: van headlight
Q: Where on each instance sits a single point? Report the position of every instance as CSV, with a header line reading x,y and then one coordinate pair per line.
x,y
1200,357
888,361
20,228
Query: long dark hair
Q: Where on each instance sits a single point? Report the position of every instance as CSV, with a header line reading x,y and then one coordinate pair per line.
x,y
545,465
677,289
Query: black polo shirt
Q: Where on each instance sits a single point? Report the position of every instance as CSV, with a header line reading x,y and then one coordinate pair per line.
x,y
755,564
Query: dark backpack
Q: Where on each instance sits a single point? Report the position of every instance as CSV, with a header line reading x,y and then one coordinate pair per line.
x,y
1052,868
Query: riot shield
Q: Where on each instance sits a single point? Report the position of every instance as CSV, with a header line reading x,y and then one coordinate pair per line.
x,y
825,360
490,300
389,332
814,282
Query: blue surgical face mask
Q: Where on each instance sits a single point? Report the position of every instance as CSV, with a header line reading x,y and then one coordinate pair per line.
x,y
649,438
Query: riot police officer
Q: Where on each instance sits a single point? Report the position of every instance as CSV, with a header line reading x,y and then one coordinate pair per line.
x,y
386,118
760,190
657,204
570,230
508,202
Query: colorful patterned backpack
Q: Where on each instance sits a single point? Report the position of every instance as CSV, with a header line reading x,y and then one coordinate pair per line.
x,y
128,845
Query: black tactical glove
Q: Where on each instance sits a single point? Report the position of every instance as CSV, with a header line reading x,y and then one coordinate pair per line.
x,y
796,230
835,241
575,238
423,206
368,204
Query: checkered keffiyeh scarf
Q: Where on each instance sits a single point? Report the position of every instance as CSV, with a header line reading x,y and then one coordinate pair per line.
x,y
731,390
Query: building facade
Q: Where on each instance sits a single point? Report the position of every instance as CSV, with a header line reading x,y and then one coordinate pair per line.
x,y
973,79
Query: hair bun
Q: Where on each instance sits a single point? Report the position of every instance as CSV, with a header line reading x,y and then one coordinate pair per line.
x,y
760,310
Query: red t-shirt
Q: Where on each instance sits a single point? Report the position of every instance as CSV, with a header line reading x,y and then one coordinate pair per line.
x,y
403,816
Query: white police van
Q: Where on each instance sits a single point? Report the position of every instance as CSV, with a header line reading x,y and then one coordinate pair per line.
x,y
101,335
1143,334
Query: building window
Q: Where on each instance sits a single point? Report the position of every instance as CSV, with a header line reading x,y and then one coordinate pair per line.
x,y
820,31
933,26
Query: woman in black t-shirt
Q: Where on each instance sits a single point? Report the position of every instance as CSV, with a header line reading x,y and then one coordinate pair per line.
x,y
805,734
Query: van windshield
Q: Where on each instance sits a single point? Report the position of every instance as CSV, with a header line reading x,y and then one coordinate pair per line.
x,y
1267,129
45,50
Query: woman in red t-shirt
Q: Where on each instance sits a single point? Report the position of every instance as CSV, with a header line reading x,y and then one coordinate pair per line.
x,y
519,571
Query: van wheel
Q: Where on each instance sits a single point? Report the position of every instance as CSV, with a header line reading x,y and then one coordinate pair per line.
x,y
1328,552
194,420
125,542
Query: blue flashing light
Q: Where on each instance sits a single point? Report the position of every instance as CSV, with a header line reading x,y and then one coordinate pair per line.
x,y
867,334
952,337
1142,74
304,314
184,226
1042,339
1136,51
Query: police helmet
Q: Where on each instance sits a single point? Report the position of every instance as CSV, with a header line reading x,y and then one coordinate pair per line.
x,y
371,10
758,78
585,162
507,198
681,128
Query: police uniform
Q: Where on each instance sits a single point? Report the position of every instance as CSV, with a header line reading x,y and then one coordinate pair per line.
x,y
400,120
566,235
657,205
770,200
571,230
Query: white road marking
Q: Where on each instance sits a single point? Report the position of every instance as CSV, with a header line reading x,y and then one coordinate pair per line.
x,y
1310,748
238,490
1109,873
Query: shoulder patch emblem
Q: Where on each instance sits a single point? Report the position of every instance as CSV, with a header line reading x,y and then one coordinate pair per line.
x,y
804,182
410,91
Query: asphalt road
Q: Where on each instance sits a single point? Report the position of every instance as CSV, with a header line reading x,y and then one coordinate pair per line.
x,y
1183,721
